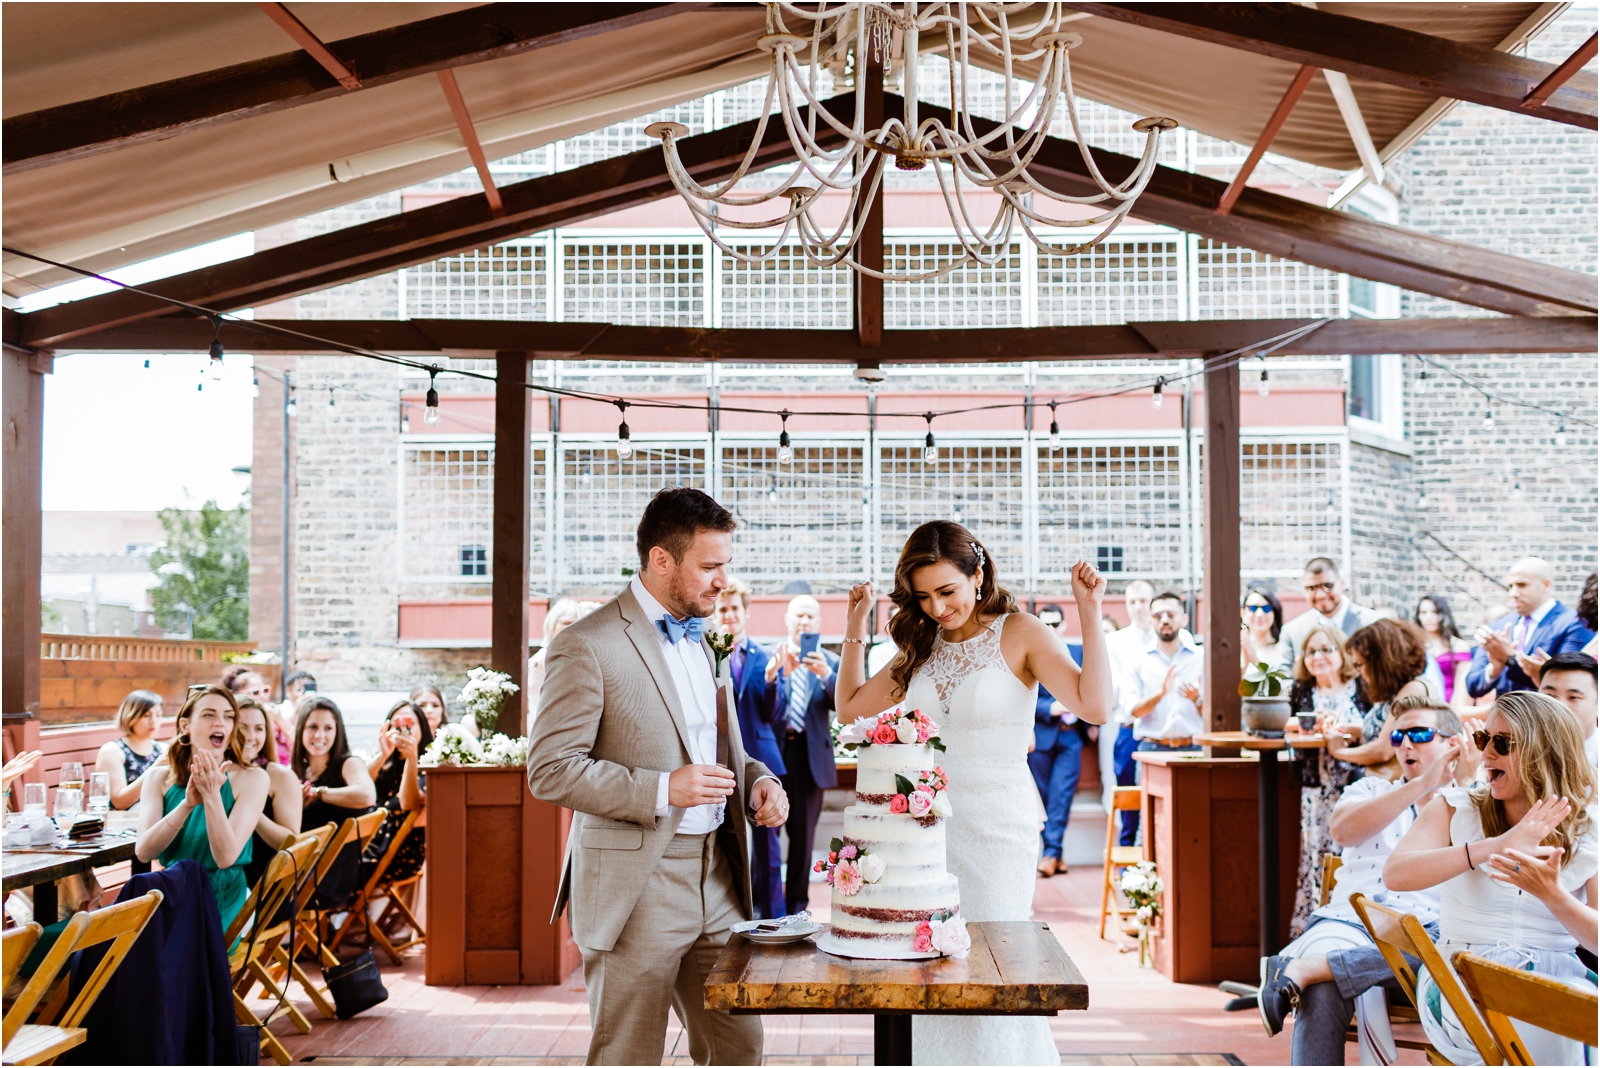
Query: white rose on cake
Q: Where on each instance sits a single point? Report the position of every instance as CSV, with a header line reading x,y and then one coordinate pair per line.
x,y
906,731
920,803
941,805
873,868
950,937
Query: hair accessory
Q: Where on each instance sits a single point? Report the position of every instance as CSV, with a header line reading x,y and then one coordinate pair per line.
x,y
978,549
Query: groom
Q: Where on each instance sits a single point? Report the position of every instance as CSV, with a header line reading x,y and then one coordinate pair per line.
x,y
630,736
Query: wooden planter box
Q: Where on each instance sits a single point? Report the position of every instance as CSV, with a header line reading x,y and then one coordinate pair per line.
x,y
494,863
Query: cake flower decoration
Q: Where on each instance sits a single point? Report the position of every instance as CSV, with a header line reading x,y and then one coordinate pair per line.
x,y
849,867
893,726
927,800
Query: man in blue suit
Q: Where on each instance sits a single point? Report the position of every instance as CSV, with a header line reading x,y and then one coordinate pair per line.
x,y
1540,628
1056,760
753,700
802,701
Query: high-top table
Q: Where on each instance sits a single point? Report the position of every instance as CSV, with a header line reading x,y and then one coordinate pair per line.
x,y
1014,969
1267,812
40,866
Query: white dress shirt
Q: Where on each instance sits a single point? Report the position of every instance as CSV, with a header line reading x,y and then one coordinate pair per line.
x,y
1125,647
1362,871
697,693
1175,716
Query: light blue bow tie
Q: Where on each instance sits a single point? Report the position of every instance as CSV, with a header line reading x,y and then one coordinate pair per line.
x,y
678,629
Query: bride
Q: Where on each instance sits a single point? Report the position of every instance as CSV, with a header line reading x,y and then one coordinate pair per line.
x,y
967,649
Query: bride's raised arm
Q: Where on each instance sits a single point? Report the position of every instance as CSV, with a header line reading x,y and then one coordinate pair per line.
x,y
854,694
1087,693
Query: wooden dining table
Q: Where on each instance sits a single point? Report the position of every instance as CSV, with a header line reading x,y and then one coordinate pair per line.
x,y
1015,968
41,865
1267,812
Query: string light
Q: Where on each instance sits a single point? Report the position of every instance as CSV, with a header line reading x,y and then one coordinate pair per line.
x,y
1331,509
1055,430
1422,498
772,492
1561,435
216,349
147,365
785,450
255,384
330,396
430,409
1516,485
930,451
1488,411
1262,387
624,443
1155,398
1422,376
290,408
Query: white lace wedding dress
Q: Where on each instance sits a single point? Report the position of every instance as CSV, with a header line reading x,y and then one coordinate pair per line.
x,y
985,718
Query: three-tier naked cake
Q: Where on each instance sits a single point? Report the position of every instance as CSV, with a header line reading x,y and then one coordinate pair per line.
x,y
892,897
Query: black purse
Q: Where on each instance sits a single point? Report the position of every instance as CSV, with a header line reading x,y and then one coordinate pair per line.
x,y
356,985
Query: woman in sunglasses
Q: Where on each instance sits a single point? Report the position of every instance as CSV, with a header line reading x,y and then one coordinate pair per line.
x,y
1260,626
1515,862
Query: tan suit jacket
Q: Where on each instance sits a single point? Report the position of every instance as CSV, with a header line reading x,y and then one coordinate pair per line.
x,y
610,722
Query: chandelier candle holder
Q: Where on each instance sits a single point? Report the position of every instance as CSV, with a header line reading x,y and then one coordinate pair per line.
x,y
863,38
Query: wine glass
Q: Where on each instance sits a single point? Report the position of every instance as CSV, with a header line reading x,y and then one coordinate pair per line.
x,y
71,776
69,802
33,797
100,793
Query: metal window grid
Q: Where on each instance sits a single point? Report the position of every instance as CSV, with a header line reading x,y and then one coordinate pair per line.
x,y
1241,283
971,296
602,498
785,291
802,519
447,504
981,485
1117,282
1291,504
501,282
634,283
1112,495
621,138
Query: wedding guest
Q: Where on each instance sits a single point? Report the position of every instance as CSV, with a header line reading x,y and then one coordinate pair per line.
x,y
1570,679
1515,863
1449,650
126,758
333,781
1588,608
429,700
16,768
241,681
800,695
759,716
1326,595
1164,682
1056,760
562,614
400,788
280,813
1117,743
1392,663
1260,627
204,801
1109,625
1325,683
1509,648
1330,969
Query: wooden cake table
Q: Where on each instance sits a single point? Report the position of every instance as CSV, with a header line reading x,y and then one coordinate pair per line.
x,y
1015,969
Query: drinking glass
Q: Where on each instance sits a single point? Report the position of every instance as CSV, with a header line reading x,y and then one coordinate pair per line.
x,y
33,797
71,776
100,792
69,802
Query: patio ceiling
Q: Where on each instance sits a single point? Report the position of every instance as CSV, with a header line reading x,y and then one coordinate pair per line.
x,y
132,130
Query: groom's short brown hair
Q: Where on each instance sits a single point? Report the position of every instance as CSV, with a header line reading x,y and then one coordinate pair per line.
x,y
674,516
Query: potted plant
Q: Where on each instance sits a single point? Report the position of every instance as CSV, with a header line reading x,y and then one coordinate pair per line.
x,y
1265,689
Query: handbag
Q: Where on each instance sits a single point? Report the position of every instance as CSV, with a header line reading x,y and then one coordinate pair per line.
x,y
356,985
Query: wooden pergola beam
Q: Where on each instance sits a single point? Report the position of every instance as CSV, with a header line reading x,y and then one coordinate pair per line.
x,y
1563,73
597,341
228,94
1269,133
1372,50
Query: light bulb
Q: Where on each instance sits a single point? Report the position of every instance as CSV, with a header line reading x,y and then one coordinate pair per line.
x,y
772,494
1561,436
930,451
330,396
1055,436
147,365
1155,398
1331,509
430,409
1262,387
1422,380
624,442
255,386
956,515
405,422
216,349
1422,500
1516,486
291,408
785,450
1488,415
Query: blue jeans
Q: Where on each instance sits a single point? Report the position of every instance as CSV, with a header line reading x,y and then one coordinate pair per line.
x,y
1055,772
1127,770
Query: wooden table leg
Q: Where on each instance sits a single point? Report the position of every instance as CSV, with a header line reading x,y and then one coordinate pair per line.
x,y
891,1038
1267,853
44,903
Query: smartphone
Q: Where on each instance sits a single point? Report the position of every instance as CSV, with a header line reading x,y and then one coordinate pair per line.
x,y
809,643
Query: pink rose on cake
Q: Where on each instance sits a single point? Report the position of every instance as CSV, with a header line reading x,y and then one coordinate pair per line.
x,y
898,803
949,935
920,803
885,734
923,942
847,878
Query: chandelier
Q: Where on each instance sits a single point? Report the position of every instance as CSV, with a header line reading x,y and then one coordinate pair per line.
x,y
860,40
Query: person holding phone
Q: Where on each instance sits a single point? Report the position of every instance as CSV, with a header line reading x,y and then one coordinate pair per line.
x,y
801,676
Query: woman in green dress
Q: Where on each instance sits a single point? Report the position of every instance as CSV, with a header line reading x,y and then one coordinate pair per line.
x,y
202,802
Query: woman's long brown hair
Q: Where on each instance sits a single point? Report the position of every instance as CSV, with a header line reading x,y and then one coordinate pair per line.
x,y
181,753
1392,654
912,629
299,759
1548,749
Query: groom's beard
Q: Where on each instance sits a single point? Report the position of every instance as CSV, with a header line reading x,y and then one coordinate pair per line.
x,y
680,601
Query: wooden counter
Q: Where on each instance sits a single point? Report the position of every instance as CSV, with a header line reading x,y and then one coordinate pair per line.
x,y
1200,823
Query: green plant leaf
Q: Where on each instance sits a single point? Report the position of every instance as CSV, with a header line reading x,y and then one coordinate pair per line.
x,y
937,743
902,785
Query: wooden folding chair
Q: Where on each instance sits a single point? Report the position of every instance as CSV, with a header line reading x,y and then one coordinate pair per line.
x,y
380,888
364,829
269,916
1330,874
15,945
52,1034
1397,933
280,966
1118,857
1503,994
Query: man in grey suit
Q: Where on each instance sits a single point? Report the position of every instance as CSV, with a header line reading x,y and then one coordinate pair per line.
x,y
630,736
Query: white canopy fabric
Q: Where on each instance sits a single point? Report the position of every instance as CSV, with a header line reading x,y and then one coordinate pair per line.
x,y
143,201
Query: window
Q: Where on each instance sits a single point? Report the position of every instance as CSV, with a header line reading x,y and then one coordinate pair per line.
x,y
474,561
1366,393
1108,558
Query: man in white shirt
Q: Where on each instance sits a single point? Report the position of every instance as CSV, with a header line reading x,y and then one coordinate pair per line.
x,y
1163,683
1324,973
1325,592
1117,766
1570,679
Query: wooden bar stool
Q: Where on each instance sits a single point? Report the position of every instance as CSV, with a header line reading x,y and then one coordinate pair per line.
x,y
1118,857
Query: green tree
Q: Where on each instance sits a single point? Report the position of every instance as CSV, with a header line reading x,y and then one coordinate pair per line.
x,y
205,572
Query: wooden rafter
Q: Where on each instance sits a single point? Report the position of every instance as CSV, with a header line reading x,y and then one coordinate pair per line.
x,y
1562,74
1364,49
1269,133
1176,339
469,135
181,105
313,45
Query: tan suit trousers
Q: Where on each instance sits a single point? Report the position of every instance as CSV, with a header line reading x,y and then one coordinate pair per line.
x,y
669,946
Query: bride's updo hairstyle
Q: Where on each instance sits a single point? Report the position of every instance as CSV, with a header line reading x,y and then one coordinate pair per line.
x,y
913,630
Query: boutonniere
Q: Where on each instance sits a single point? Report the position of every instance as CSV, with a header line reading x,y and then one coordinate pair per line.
x,y
722,644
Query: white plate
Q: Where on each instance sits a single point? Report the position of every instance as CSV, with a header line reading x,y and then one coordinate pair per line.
x,y
794,932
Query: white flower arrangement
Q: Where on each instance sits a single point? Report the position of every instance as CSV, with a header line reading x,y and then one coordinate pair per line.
x,y
505,750
484,694
453,745
1143,888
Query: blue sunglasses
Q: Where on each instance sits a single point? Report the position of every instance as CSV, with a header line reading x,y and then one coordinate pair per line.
x,y
1418,736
